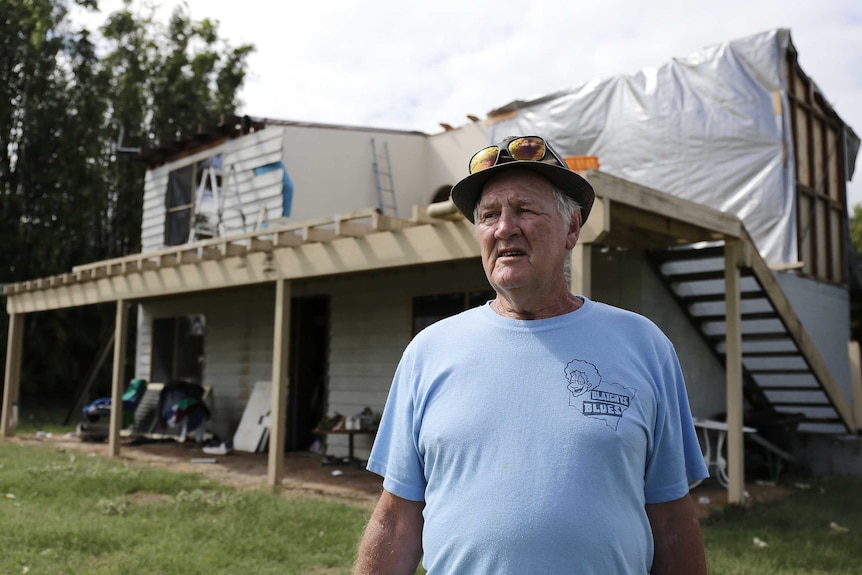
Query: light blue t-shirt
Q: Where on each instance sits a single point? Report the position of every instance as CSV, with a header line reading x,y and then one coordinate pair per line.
x,y
536,444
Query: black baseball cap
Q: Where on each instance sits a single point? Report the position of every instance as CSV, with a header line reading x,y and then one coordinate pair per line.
x,y
523,152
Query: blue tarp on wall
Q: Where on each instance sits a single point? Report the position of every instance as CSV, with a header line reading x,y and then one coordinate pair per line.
x,y
286,185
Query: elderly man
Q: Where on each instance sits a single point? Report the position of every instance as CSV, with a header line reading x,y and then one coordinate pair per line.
x,y
542,432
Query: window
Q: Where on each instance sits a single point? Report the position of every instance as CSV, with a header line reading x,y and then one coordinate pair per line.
x,y
178,349
428,309
191,200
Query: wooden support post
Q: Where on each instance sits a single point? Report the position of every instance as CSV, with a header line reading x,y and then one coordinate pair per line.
x,y
12,385
280,358
120,339
856,383
581,279
733,366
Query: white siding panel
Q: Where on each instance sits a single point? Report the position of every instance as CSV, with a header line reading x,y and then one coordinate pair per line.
x,y
370,327
252,192
240,157
143,349
237,345
153,216
256,150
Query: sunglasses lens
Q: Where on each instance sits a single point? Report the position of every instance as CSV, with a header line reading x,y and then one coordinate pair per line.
x,y
529,148
484,159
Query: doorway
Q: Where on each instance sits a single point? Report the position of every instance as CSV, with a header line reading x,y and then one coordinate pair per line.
x,y
309,360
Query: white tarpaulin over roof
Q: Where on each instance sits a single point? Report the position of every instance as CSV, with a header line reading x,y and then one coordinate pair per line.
x,y
712,128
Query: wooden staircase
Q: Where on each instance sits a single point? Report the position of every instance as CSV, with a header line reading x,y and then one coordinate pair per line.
x,y
783,373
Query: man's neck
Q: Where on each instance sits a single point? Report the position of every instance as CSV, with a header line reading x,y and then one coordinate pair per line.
x,y
509,305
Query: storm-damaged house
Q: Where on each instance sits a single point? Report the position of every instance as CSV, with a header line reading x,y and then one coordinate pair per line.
x,y
306,256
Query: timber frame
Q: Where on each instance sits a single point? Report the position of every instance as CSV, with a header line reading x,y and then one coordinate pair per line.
x,y
624,215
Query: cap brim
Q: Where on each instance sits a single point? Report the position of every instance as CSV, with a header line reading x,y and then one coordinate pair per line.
x,y
466,193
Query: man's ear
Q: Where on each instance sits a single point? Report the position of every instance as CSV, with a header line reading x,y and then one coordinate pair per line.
x,y
574,230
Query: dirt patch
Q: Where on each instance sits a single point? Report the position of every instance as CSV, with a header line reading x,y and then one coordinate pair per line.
x,y
303,472
148,498
710,496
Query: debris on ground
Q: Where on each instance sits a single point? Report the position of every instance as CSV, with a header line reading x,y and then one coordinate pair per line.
x,y
838,528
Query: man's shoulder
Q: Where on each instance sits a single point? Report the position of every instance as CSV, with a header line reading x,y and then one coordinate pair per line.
x,y
624,317
468,317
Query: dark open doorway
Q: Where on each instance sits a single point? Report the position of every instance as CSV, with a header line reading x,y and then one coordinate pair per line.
x,y
309,352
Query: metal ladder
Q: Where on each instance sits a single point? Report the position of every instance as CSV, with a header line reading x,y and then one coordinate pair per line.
x,y
213,183
383,178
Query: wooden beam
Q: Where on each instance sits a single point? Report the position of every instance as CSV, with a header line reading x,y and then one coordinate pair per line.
x,y
210,253
421,216
416,245
598,224
190,256
12,371
733,366
258,245
130,267
668,225
120,339
232,249
314,234
168,260
350,228
280,382
287,239
384,223
624,192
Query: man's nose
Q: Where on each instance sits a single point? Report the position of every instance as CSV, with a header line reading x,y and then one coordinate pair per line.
x,y
507,224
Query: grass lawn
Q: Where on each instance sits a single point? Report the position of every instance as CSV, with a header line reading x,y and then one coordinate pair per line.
x,y
65,513
817,531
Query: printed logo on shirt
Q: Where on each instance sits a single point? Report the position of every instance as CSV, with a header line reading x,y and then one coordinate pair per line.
x,y
595,398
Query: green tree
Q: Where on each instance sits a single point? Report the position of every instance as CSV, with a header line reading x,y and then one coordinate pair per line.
x,y
856,229
68,195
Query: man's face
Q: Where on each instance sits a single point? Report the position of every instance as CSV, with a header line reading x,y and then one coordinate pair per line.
x,y
523,239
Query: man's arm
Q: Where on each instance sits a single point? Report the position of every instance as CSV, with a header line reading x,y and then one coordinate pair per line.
x,y
392,544
678,539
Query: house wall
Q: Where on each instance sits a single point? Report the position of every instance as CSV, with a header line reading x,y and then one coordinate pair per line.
x,y
240,157
449,152
625,279
370,327
824,310
332,169
370,324
237,345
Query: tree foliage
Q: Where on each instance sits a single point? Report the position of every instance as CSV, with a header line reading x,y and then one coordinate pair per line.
x,y
856,229
69,193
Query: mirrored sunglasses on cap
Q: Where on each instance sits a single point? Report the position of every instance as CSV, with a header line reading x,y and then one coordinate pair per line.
x,y
523,149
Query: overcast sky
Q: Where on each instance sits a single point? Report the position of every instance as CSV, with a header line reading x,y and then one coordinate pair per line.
x,y
411,65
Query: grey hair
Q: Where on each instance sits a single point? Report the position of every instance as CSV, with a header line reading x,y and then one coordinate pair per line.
x,y
566,206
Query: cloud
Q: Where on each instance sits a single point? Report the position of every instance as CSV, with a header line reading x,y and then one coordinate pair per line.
x,y
394,64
